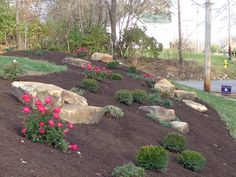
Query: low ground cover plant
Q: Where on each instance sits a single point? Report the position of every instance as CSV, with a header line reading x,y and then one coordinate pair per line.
x,y
81,52
128,170
89,84
124,96
113,111
154,117
191,160
132,69
94,72
115,76
155,98
152,158
12,70
139,95
42,124
113,65
78,91
174,142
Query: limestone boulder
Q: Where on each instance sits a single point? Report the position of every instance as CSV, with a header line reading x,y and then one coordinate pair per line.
x,y
41,91
185,95
106,58
165,87
160,112
82,114
180,126
194,105
76,61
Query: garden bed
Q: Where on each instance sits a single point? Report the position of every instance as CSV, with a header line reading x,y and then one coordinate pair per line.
x,y
111,142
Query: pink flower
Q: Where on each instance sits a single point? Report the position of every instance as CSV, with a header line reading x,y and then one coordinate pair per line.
x,y
26,98
48,100
70,125
59,124
57,110
74,147
51,123
41,124
66,131
56,116
41,131
41,109
23,131
26,109
38,103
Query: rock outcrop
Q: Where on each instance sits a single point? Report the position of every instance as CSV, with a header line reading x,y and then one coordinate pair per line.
x,y
106,58
165,87
185,95
194,105
76,61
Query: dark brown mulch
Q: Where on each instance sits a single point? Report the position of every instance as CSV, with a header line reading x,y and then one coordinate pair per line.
x,y
111,142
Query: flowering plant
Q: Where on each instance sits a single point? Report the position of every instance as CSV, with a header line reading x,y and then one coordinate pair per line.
x,y
95,72
150,80
43,124
81,52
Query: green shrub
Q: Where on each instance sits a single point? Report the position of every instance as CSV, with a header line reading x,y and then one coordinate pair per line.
x,y
128,170
174,142
115,76
153,157
90,84
124,96
114,112
155,98
12,71
163,123
139,95
191,160
113,64
132,69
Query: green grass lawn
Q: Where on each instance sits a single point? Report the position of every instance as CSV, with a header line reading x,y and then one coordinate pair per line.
x,y
30,66
217,61
225,107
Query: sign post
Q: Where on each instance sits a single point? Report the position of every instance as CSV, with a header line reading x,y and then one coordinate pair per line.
x,y
225,90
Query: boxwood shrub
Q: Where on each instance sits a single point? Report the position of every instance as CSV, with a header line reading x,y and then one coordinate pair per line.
x,y
152,158
191,160
113,65
115,76
113,111
174,142
124,96
89,84
139,95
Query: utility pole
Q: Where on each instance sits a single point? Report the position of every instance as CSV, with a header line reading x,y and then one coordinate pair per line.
x,y
198,46
207,76
180,34
17,25
229,30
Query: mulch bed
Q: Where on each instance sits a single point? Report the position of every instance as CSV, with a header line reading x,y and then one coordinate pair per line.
x,y
111,142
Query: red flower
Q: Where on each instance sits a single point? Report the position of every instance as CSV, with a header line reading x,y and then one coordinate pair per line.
x,y
56,116
41,109
41,131
51,123
26,98
26,109
70,125
74,147
59,124
38,103
48,100
23,131
57,110
41,124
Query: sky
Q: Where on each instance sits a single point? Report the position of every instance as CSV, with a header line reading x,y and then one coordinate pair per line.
x,y
190,19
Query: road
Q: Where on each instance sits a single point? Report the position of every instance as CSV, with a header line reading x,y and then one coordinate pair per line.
x,y
215,85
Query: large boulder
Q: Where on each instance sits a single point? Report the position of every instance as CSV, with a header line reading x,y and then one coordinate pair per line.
x,y
180,126
106,58
82,114
185,95
197,106
76,61
41,91
165,87
160,112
